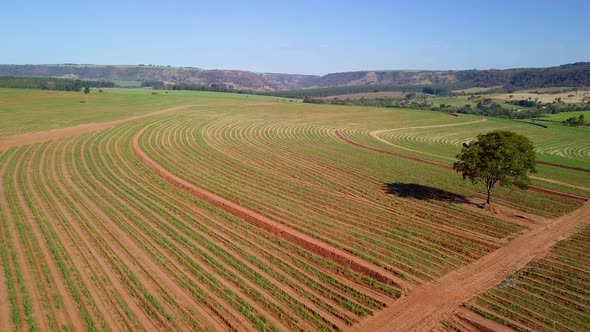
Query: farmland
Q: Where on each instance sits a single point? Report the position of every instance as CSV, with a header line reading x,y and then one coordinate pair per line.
x,y
370,95
26,111
548,294
210,211
542,96
563,116
556,144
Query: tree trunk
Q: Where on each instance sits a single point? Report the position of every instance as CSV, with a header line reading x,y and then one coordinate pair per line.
x,y
489,199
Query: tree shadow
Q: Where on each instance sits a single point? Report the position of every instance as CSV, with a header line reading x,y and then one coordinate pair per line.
x,y
424,193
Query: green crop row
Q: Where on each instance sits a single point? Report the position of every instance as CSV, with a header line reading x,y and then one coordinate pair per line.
x,y
548,294
315,215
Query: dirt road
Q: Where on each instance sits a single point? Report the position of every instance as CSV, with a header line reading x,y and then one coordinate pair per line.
x,y
345,139
287,233
423,308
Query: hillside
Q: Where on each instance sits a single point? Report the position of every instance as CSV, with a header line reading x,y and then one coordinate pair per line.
x,y
398,77
236,79
577,74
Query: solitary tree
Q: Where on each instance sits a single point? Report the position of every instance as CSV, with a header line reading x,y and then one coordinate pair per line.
x,y
51,86
573,121
86,92
498,156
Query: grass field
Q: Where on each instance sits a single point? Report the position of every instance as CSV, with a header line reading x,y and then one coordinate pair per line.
x,y
24,111
369,95
236,212
565,115
477,90
458,101
566,97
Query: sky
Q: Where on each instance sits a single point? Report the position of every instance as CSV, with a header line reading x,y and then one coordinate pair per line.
x,y
300,37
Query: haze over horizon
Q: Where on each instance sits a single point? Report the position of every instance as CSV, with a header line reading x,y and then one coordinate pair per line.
x,y
301,37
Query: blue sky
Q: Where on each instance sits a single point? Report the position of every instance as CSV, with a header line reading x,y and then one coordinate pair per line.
x,y
308,37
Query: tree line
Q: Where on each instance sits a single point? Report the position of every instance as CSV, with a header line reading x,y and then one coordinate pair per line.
x,y
433,89
570,75
579,121
216,87
484,106
46,83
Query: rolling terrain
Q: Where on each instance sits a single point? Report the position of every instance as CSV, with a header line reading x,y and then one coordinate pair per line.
x,y
571,75
212,211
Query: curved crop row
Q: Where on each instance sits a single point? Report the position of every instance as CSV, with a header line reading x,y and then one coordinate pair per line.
x,y
536,203
549,294
261,167
552,143
92,239
91,233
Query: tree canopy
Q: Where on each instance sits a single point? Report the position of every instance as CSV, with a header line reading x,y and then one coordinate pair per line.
x,y
52,84
498,156
576,121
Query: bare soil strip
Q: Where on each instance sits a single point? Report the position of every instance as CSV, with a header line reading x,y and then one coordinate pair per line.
x,y
393,153
441,165
478,323
376,133
422,309
431,126
561,183
234,317
557,193
43,136
38,317
5,318
5,272
505,213
71,182
263,222
580,169
58,285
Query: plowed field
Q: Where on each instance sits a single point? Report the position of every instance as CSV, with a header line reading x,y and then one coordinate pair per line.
x,y
203,211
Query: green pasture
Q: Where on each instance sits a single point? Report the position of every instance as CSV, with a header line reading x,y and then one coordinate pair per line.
x,y
565,115
23,111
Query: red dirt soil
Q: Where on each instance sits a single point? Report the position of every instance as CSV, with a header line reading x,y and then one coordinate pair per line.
x,y
580,169
426,305
504,212
446,166
474,322
286,233
43,136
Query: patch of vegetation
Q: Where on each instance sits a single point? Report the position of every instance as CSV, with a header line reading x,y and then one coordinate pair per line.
x,y
575,74
433,89
558,117
500,156
220,87
52,84
576,121
475,105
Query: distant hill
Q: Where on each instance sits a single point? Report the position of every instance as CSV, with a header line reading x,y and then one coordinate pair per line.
x,y
571,75
237,79
397,77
